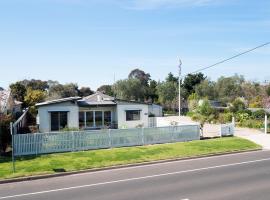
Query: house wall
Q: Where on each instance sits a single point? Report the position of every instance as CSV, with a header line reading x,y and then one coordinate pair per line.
x,y
44,116
156,110
121,114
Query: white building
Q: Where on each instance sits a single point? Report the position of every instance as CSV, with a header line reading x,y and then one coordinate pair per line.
x,y
94,112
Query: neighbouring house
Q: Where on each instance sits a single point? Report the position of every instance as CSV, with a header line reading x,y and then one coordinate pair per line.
x,y
94,112
9,105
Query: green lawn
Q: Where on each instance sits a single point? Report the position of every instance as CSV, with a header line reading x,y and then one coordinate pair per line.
x,y
46,164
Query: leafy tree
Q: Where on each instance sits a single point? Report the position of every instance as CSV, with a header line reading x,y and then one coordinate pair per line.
x,y
18,91
266,102
129,89
152,91
141,75
34,96
229,88
238,105
193,101
251,90
171,78
206,89
167,93
35,84
205,108
85,91
63,91
190,82
256,102
106,89
268,91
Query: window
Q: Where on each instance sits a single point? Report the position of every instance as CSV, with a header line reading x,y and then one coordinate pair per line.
x,y
94,119
107,118
59,120
98,118
133,115
89,119
81,119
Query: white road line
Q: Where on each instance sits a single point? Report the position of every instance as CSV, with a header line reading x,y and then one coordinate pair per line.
x,y
169,162
132,179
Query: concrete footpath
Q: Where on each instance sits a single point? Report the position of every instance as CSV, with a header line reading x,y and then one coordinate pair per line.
x,y
255,136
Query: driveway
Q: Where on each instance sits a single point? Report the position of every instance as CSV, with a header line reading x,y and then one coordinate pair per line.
x,y
255,136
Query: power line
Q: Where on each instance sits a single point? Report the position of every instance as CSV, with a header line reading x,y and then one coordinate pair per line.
x,y
228,59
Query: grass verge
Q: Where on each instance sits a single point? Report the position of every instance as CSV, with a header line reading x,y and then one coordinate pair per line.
x,y
49,164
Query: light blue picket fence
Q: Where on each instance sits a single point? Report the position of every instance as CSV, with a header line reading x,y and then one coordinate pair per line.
x,y
227,129
42,143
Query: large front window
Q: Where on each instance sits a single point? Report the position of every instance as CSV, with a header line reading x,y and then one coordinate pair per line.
x,y
89,119
59,120
133,115
94,118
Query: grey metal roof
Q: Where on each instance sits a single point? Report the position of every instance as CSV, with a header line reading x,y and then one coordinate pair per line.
x,y
97,99
58,101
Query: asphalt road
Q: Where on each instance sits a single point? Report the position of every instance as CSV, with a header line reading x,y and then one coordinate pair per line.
x,y
243,176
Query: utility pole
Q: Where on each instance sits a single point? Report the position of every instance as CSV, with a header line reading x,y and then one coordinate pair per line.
x,y
179,85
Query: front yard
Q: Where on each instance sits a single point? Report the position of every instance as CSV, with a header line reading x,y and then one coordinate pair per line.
x,y
49,164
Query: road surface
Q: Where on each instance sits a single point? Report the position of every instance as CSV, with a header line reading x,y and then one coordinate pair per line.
x,y
243,176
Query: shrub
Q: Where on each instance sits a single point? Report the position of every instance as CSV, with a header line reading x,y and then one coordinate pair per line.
x,y
259,114
241,117
238,105
252,123
5,137
205,108
225,117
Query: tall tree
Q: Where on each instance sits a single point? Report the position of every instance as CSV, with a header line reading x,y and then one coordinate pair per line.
x,y
129,89
85,91
152,91
167,94
206,89
171,78
141,75
106,89
63,91
190,82
18,91
229,88
35,84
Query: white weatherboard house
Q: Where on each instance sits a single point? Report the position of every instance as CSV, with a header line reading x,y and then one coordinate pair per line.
x,y
94,112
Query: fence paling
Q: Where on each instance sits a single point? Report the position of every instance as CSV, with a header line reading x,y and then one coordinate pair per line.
x,y
41,143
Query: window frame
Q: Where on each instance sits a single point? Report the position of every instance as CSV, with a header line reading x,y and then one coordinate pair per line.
x,y
131,114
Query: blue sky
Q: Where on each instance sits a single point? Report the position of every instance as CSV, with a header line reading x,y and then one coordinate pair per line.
x,y
88,41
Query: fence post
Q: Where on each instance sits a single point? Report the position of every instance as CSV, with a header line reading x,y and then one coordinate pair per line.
x,y
13,147
265,125
233,121
142,135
